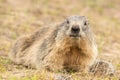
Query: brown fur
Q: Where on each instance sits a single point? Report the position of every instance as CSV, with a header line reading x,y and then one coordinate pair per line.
x,y
51,48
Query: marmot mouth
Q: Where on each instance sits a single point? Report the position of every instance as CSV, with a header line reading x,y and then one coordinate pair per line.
x,y
75,35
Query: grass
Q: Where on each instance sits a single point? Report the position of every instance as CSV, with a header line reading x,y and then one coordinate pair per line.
x,y
20,17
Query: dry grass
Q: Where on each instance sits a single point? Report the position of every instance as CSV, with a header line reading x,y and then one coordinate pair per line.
x,y
19,17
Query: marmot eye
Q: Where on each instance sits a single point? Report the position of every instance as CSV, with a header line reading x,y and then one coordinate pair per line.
x,y
68,22
85,23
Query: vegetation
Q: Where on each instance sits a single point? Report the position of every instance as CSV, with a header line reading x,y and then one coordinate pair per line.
x,y
20,17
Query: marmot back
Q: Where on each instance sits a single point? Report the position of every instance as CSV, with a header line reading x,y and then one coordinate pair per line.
x,y
69,45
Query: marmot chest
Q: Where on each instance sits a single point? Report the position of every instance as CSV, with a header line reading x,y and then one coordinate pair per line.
x,y
73,58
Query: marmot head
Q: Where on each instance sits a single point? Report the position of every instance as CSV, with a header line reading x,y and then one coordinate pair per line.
x,y
75,27
74,31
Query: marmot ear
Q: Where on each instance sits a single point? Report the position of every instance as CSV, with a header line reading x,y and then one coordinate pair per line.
x,y
63,23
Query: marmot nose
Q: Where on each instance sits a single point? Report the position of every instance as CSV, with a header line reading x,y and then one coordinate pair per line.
x,y
75,29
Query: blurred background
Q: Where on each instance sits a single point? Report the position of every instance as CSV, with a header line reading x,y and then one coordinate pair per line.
x,y
20,17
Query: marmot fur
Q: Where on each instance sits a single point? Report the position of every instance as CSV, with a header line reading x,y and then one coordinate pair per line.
x,y
69,45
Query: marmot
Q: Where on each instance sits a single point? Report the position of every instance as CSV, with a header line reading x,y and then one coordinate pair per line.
x,y
69,45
